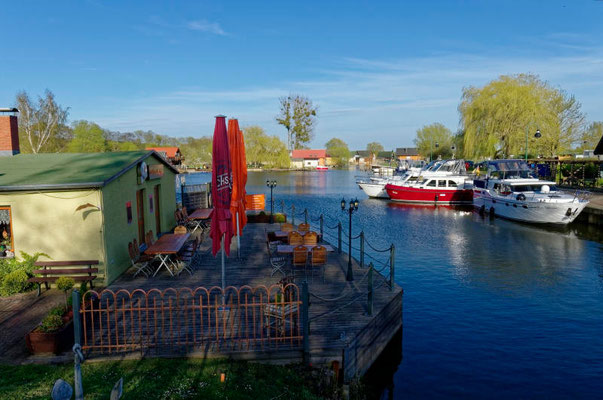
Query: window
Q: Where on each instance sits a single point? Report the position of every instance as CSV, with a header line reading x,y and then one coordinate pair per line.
x,y
452,184
6,233
431,183
442,183
129,211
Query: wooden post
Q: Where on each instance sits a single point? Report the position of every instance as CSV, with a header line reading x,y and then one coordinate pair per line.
x,y
306,321
362,250
293,214
321,227
370,290
392,266
339,237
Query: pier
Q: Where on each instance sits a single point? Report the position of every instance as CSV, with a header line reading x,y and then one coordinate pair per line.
x,y
347,323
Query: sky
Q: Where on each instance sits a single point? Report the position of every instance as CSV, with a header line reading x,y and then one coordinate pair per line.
x,y
377,71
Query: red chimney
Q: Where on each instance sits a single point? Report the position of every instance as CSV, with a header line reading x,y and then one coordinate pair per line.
x,y
9,132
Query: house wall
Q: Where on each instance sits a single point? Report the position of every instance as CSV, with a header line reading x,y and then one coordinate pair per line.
x,y
50,222
412,158
297,164
118,232
309,163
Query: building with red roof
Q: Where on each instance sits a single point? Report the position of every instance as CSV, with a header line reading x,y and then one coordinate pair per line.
x,y
308,158
172,154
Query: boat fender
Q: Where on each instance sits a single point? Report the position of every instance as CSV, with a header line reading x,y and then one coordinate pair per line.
x,y
521,197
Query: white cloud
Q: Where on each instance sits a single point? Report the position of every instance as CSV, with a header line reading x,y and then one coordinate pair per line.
x,y
206,26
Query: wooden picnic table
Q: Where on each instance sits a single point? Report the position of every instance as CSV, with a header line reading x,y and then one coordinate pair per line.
x,y
200,213
288,249
166,246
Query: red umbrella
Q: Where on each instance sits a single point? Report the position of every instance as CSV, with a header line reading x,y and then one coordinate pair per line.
x,y
238,164
221,186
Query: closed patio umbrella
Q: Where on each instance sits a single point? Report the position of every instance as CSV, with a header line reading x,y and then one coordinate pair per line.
x,y
238,164
221,181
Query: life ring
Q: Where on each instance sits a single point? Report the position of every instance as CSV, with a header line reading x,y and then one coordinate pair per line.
x,y
521,197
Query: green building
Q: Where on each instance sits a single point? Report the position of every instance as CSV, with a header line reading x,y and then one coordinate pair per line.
x,y
85,206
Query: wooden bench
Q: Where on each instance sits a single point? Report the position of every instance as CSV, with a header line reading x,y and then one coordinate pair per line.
x,y
50,273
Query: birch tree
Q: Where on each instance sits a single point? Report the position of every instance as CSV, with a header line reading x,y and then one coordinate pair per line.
x,y
298,116
39,123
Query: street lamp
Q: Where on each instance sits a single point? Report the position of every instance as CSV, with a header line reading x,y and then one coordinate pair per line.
x,y
271,185
352,207
536,135
453,148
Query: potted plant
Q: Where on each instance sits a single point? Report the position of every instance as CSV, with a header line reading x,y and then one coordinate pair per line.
x,y
53,335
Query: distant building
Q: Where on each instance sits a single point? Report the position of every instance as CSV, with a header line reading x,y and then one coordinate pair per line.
x,y
407,153
599,149
361,157
172,154
309,158
385,157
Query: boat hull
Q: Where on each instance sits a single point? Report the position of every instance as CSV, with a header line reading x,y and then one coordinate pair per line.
x,y
409,194
561,213
376,190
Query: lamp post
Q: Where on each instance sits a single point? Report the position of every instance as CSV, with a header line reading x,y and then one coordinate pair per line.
x,y
536,135
352,207
271,185
453,148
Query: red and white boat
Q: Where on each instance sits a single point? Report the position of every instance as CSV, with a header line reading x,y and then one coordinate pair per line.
x,y
453,187
322,168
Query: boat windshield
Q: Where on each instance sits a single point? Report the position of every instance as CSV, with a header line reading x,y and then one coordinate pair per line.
x,y
533,188
509,169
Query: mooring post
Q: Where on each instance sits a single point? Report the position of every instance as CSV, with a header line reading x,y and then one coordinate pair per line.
x,y
392,266
305,215
293,214
321,227
370,290
339,237
306,321
362,249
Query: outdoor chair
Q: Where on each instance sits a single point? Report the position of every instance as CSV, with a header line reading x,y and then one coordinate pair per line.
x,y
180,220
277,261
149,238
303,227
282,309
186,258
286,227
295,238
311,238
140,256
318,259
299,259
180,230
271,237
141,266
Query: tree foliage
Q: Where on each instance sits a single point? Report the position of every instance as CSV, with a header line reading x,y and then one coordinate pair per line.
x,y
434,140
590,136
339,151
496,118
262,150
42,124
298,116
88,137
374,148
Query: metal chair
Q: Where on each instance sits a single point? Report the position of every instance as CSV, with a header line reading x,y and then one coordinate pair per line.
x,y
295,238
277,261
311,238
141,266
186,258
303,227
318,258
299,259
287,227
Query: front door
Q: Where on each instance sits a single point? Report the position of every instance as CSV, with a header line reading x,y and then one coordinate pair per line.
x,y
157,206
140,215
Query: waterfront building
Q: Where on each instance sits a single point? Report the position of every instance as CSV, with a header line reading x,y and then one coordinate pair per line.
x,y
408,154
171,154
82,206
304,158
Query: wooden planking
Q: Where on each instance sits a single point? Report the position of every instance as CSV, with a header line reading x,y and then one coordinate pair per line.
x,y
348,329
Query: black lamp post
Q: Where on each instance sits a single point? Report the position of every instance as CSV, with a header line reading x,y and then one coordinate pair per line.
x,y
352,207
453,148
271,185
537,135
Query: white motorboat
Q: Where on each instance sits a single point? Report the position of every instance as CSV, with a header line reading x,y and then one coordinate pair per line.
x,y
511,190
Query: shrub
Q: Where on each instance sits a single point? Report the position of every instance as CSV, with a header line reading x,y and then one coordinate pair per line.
x,y
280,218
11,265
51,323
14,282
58,310
65,284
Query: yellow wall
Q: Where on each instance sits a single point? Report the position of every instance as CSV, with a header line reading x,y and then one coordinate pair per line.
x,y
49,222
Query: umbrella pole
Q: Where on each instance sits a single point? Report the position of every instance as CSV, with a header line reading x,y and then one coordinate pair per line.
x,y
223,273
238,238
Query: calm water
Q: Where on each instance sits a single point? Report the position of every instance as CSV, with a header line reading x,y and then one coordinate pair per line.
x,y
492,308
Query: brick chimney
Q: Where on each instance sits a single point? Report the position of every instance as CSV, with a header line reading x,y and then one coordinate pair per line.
x,y
9,132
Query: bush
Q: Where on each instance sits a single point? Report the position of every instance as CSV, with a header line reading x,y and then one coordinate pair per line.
x,y
11,265
280,218
58,310
51,323
65,283
14,282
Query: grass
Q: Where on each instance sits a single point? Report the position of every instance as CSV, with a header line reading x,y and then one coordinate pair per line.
x,y
164,379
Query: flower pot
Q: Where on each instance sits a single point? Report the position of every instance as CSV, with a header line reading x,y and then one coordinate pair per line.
x,y
55,342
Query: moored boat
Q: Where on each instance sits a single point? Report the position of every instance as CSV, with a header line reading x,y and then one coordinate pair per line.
x,y
510,190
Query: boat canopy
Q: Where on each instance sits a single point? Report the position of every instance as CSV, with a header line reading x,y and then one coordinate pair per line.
x,y
509,169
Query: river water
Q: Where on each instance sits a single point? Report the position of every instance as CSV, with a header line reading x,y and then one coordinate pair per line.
x,y
492,308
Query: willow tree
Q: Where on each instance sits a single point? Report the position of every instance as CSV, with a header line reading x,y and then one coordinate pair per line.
x,y
262,150
496,118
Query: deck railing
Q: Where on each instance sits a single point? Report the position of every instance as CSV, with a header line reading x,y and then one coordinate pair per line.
x,y
187,320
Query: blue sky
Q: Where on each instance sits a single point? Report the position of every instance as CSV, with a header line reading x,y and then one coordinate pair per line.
x,y
376,70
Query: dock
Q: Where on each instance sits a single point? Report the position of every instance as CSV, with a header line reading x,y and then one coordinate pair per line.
x,y
593,212
342,331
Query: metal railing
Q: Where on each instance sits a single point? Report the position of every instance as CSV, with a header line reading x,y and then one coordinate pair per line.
x,y
186,319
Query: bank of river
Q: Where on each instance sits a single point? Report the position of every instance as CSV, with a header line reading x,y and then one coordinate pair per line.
x,y
492,308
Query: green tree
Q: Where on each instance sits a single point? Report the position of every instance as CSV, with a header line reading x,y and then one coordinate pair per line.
x,y
262,150
42,125
590,136
196,151
496,118
434,140
298,116
374,148
339,151
88,137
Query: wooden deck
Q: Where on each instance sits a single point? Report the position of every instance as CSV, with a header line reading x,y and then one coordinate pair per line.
x,y
340,330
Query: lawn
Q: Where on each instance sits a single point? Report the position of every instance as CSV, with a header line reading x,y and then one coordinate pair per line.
x,y
166,379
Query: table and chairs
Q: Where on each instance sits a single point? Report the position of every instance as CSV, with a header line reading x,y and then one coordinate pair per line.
x,y
166,249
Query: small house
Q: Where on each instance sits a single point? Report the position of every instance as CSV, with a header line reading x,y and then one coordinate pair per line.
x,y
408,154
172,154
308,158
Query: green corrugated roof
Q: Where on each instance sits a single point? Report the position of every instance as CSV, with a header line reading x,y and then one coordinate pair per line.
x,y
64,170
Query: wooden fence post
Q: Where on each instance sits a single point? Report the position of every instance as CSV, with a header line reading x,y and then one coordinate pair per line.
x,y
392,266
362,249
339,237
306,321
370,290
